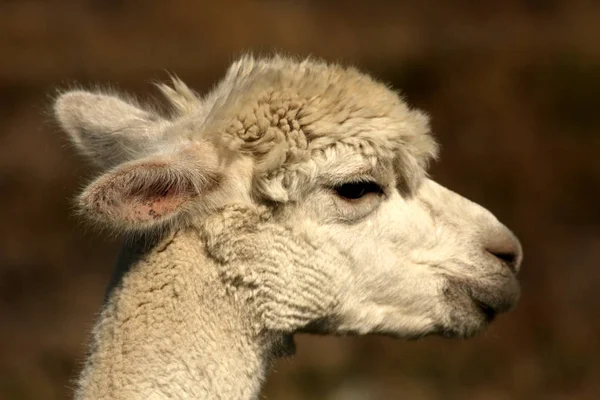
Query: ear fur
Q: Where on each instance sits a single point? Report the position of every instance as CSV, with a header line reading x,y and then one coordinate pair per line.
x,y
105,128
152,191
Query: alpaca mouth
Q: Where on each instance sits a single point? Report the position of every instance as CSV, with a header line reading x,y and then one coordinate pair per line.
x,y
476,303
489,312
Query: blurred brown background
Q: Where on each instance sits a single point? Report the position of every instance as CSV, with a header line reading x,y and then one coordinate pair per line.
x,y
512,87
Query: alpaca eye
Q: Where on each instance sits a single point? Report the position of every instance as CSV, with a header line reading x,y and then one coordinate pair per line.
x,y
356,190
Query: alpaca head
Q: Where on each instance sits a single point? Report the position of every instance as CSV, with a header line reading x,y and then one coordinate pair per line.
x,y
324,154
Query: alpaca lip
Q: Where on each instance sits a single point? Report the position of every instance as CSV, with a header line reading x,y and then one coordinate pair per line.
x,y
486,297
501,298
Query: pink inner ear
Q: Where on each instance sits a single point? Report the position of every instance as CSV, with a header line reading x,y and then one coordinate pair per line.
x,y
140,194
151,206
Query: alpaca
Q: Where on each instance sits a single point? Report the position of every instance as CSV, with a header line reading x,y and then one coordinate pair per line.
x,y
292,198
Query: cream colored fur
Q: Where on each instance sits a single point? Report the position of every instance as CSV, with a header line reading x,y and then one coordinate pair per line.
x,y
292,198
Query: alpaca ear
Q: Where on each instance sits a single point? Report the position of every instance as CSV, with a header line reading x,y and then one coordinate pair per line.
x,y
151,191
107,129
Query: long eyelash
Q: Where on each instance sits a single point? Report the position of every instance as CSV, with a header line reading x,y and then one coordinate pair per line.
x,y
355,180
360,181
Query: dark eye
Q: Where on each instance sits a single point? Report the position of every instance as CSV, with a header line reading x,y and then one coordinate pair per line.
x,y
356,190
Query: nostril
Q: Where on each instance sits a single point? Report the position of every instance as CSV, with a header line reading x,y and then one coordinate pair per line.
x,y
508,258
505,247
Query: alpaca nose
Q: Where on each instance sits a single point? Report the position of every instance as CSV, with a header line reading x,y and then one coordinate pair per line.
x,y
505,246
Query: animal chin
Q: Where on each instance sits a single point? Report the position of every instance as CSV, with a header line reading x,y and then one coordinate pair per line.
x,y
466,324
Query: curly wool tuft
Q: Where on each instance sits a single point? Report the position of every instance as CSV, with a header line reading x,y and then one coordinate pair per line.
x,y
284,112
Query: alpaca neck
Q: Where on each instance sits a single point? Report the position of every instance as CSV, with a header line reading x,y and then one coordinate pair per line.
x,y
171,329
